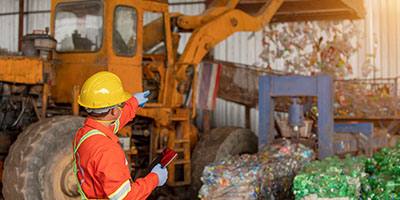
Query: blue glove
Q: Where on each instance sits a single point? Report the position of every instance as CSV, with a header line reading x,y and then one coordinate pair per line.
x,y
162,174
141,98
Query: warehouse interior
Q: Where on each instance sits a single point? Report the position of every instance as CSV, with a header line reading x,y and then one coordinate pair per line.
x,y
233,99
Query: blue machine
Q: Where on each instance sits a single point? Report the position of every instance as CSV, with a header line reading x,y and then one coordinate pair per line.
x,y
366,129
297,86
303,86
296,113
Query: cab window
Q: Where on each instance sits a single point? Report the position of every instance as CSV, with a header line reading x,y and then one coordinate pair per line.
x,y
78,26
153,33
125,31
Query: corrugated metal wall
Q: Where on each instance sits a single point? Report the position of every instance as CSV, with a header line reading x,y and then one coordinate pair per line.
x,y
187,7
37,17
9,25
385,18
40,20
245,48
380,29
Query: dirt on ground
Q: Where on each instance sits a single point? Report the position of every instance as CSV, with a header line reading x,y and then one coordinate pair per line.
x,y
170,193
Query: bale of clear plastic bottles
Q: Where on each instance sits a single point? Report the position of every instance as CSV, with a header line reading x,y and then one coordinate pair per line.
x,y
266,175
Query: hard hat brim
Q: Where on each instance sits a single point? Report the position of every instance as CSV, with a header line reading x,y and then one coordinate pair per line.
x,y
125,97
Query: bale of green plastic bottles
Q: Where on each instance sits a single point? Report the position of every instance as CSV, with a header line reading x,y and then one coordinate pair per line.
x,y
376,178
383,181
330,178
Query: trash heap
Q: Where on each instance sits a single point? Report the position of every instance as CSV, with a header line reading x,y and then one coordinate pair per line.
x,y
373,178
266,175
366,98
383,181
325,47
309,48
330,178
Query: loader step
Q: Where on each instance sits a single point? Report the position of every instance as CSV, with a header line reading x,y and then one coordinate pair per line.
x,y
181,140
176,150
181,161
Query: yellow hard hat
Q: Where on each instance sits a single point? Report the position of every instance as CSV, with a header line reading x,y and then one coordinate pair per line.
x,y
101,90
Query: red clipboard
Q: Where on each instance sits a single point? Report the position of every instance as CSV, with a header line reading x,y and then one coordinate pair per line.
x,y
165,158
168,156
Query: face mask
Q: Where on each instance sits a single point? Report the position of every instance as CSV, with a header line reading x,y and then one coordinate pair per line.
x,y
112,121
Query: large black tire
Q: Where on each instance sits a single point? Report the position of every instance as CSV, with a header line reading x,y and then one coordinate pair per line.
x,y
219,143
39,162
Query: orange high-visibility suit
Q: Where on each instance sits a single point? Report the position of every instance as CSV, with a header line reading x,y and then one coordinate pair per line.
x,y
102,168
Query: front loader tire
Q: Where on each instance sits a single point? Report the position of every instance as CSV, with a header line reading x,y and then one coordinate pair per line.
x,y
219,143
39,162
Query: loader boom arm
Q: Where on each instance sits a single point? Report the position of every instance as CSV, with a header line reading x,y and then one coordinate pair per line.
x,y
214,25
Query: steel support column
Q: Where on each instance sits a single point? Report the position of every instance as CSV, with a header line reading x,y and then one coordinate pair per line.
x,y
21,23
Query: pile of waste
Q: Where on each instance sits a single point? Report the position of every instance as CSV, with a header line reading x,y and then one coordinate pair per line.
x,y
266,175
358,98
325,47
383,181
351,178
308,48
330,178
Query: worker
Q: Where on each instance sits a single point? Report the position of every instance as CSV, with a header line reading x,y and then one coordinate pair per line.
x,y
100,165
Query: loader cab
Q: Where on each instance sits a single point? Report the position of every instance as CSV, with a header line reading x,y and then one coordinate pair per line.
x,y
95,35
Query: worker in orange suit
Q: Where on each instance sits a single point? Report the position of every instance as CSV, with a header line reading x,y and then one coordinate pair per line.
x,y
100,165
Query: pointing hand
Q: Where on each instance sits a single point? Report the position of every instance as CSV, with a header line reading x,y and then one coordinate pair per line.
x,y
141,98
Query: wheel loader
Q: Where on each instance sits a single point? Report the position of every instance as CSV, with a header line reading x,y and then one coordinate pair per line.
x,y
138,41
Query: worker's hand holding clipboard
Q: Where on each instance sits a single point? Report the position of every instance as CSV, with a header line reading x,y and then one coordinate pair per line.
x,y
166,157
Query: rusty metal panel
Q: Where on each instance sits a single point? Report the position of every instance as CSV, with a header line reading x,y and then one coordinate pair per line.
x,y
21,70
238,86
307,10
